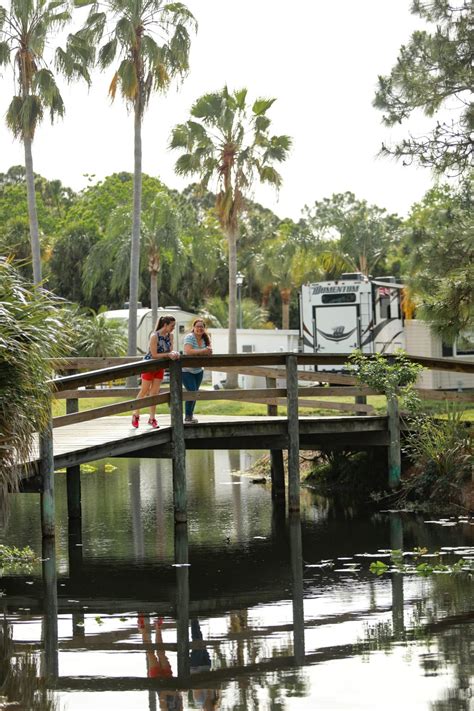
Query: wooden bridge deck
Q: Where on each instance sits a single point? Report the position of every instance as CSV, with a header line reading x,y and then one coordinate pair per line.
x,y
115,437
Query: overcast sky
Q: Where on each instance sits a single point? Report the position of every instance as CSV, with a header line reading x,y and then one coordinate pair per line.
x,y
319,58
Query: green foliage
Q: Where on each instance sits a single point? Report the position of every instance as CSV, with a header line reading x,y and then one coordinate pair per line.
x,y
439,241
433,71
346,475
392,375
216,313
98,336
13,558
31,331
360,235
442,455
150,41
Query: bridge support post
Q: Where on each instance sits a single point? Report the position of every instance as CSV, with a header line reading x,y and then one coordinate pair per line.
x,y
276,455
293,433
46,468
178,444
73,475
394,451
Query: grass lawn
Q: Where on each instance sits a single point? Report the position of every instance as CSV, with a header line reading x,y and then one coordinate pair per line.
x,y
222,407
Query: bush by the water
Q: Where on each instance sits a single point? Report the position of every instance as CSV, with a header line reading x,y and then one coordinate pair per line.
x,y
442,459
349,475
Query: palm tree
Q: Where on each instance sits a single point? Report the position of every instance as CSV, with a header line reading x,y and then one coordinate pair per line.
x,y
31,331
216,313
24,36
228,139
161,246
129,28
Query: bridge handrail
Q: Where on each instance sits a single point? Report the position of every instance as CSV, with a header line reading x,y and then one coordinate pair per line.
x,y
232,360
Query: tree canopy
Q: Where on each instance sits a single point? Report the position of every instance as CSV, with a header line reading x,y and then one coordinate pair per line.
x,y
434,72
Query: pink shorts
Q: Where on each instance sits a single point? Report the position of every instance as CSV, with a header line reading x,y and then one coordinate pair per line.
x,y
153,374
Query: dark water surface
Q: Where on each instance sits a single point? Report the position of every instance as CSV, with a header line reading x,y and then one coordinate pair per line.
x,y
271,626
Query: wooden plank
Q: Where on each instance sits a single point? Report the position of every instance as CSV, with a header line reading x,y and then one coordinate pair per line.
x,y
279,373
448,395
106,410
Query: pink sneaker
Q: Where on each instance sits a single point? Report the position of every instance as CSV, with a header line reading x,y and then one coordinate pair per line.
x,y
153,423
135,420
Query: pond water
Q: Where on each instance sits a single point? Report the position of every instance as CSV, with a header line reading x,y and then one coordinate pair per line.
x,y
245,608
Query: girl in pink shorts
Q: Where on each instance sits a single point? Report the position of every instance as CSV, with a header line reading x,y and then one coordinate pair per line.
x,y
160,347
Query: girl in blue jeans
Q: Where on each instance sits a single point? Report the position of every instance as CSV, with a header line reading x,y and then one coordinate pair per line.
x,y
197,342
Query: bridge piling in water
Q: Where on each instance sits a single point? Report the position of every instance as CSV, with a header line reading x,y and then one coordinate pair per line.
x,y
178,443
394,449
73,475
276,455
46,469
293,434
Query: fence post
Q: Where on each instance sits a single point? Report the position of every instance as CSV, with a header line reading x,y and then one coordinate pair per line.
x,y
360,400
293,433
46,469
276,455
394,452
178,444
73,474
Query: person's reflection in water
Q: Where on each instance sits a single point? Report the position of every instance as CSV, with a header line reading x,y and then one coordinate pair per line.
x,y
200,661
158,666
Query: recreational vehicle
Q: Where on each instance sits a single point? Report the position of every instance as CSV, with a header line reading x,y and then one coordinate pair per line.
x,y
353,312
145,326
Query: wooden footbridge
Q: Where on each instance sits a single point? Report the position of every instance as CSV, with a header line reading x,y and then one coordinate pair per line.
x,y
80,437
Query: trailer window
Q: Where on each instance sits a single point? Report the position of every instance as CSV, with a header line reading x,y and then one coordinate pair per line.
x,y
338,298
385,307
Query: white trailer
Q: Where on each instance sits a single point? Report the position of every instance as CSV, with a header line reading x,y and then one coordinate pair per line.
x,y
145,326
353,312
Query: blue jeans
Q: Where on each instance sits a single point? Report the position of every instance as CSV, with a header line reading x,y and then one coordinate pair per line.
x,y
191,382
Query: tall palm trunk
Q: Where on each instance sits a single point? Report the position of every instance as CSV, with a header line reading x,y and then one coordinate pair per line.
x,y
154,296
232,378
285,308
32,212
135,248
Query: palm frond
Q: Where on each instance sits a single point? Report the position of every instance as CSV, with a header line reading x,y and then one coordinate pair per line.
x,y
107,53
4,53
261,106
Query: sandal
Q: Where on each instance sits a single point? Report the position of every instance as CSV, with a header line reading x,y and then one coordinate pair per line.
x,y
153,423
135,420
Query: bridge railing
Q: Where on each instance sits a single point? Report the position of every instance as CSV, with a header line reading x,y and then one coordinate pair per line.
x,y
267,366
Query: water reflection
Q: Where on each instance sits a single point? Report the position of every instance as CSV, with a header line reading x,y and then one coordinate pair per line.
x,y
226,611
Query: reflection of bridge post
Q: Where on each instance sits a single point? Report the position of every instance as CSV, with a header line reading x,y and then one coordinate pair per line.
x,y
181,557
297,575
396,543
75,569
134,476
50,609
178,444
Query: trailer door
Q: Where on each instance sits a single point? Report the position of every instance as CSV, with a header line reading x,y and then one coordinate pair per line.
x,y
337,328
